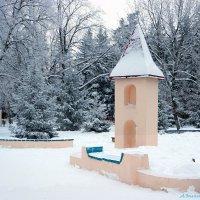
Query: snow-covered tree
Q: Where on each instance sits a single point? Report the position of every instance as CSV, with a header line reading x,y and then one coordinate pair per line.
x,y
33,106
73,18
172,33
95,75
61,39
70,101
165,117
95,116
171,44
21,22
126,28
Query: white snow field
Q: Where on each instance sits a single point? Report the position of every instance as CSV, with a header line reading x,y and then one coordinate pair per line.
x,y
45,174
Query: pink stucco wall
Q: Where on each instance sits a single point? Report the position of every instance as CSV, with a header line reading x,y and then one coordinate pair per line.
x,y
130,171
144,114
126,171
39,144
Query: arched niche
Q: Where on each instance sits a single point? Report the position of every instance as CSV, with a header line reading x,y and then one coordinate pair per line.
x,y
129,134
130,95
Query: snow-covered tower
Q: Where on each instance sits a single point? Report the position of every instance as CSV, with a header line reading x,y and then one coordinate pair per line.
x,y
136,95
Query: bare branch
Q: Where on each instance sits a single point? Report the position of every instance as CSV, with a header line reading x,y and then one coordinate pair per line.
x,y
91,63
101,75
10,76
186,79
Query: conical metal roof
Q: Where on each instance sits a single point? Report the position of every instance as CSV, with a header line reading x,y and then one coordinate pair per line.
x,y
136,60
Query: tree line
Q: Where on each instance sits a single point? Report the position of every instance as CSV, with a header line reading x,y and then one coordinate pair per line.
x,y
56,57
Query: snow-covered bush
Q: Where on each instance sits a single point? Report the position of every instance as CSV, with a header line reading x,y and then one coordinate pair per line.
x,y
95,118
97,125
19,132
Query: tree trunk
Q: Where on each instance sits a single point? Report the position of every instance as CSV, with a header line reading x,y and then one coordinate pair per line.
x,y
175,114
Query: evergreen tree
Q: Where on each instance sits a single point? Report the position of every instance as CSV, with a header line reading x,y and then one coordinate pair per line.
x,y
191,67
95,116
86,56
164,115
98,88
126,28
103,85
70,101
34,108
171,40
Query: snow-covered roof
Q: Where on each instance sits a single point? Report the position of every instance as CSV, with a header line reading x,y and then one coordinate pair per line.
x,y
136,59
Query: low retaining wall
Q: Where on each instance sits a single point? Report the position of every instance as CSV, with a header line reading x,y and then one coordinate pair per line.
x,y
131,170
126,170
157,182
36,143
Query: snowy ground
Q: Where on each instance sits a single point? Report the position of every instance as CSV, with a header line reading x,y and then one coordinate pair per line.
x,y
45,174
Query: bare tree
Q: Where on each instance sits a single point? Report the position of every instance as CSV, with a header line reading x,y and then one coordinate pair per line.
x,y
171,24
18,19
73,18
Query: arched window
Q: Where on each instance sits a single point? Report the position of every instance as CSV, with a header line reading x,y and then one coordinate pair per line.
x,y
130,95
129,134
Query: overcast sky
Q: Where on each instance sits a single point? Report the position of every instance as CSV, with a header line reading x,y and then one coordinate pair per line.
x,y
113,10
